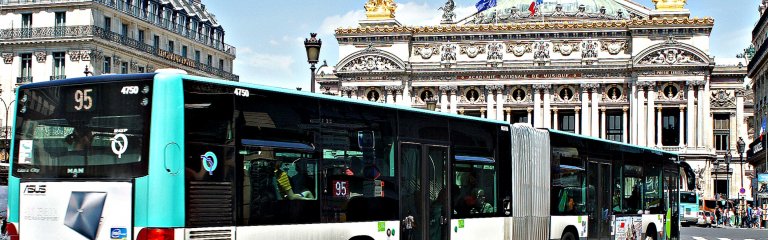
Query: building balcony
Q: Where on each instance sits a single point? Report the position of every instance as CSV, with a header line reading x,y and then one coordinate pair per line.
x,y
23,80
168,24
143,15
57,77
100,33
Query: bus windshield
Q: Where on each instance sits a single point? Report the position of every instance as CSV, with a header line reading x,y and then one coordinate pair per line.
x,y
688,197
85,130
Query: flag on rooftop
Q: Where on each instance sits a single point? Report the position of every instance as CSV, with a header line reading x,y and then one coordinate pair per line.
x,y
483,5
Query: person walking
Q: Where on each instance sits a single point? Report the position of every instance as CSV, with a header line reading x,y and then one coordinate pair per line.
x,y
718,216
731,219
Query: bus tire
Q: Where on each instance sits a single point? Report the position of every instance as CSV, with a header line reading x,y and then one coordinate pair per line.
x,y
361,238
568,235
651,233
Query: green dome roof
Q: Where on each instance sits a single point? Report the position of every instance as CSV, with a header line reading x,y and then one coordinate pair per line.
x,y
507,11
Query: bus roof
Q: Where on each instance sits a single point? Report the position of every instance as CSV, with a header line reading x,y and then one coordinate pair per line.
x,y
93,79
336,98
612,142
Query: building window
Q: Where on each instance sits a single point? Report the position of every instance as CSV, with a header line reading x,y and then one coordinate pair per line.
x,y
221,64
373,96
722,131
141,69
472,95
61,22
124,67
26,65
567,122
124,30
183,51
426,95
26,25
614,126
108,24
171,46
210,60
141,36
58,65
197,56
519,116
670,132
107,65
156,42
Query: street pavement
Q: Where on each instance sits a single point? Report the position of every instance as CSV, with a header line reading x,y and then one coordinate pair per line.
x,y
699,233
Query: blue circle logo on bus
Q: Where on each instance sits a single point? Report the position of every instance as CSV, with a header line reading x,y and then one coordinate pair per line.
x,y
209,162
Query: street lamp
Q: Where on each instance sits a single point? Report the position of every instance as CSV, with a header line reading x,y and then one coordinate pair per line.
x,y
313,45
740,148
7,138
87,72
728,158
431,103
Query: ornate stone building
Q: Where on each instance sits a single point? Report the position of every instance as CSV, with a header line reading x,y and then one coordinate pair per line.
x,y
45,40
758,72
611,69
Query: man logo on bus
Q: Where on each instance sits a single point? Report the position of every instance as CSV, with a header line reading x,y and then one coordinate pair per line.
x,y
119,144
209,162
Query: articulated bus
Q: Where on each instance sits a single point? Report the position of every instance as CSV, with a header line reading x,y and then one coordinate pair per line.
x,y
168,156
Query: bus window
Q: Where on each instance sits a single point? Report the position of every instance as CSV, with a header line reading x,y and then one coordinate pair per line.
x,y
653,190
618,197
474,191
568,182
358,164
633,189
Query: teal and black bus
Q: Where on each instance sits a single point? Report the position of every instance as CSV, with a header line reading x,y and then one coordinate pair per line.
x,y
168,156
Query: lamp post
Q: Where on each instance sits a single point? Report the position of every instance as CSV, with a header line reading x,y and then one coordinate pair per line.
x,y
740,148
313,45
87,72
7,139
728,157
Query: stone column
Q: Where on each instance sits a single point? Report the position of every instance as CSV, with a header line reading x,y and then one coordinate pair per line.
x,y
700,99
708,120
489,102
547,106
508,111
529,110
682,126
399,96
500,102
641,132
624,120
633,113
537,122
407,101
585,107
443,98
576,129
390,92
482,112
651,123
658,126
741,129
595,125
691,125
602,123
454,99
554,114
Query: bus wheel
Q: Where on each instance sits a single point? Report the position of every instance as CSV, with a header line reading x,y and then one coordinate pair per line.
x,y
568,236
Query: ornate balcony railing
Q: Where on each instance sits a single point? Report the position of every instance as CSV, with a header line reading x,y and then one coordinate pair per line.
x,y
23,80
57,77
168,24
98,32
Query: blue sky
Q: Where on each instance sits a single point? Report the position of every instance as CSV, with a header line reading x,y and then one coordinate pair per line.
x,y
269,34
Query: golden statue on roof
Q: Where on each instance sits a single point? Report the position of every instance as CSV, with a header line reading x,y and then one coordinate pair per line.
x,y
669,5
380,9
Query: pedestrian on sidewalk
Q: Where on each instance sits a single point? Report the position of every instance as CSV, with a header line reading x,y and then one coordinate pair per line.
x,y
718,216
731,219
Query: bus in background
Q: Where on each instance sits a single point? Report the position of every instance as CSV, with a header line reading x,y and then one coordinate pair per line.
x,y
166,156
689,207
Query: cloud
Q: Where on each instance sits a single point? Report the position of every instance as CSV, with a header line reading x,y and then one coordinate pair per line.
x,y
263,68
331,23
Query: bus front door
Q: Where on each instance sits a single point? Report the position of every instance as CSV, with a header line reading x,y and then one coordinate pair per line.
x,y
425,210
599,200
